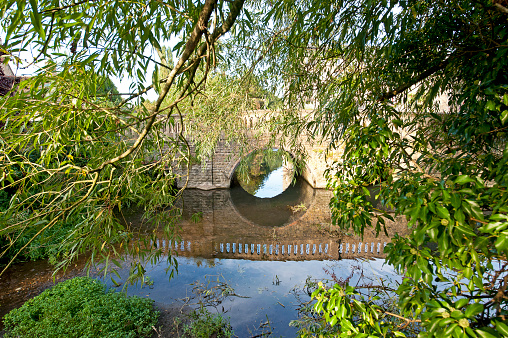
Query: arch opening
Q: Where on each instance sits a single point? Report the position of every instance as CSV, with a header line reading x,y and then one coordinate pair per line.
x,y
264,173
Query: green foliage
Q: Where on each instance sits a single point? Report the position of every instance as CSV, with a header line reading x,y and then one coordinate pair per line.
x,y
377,72
349,313
81,307
4,200
73,151
197,217
341,310
222,113
50,245
106,89
96,153
204,324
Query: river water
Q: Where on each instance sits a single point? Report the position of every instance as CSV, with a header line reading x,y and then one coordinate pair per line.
x,y
253,255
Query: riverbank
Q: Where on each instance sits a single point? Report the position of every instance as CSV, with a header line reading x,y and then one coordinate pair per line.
x,y
26,280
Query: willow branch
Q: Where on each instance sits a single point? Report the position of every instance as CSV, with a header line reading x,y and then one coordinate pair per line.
x,y
57,9
52,222
392,93
189,49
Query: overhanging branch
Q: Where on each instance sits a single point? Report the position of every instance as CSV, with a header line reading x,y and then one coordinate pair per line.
x,y
392,93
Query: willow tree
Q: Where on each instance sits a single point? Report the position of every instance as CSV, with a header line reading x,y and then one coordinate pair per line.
x,y
374,71
378,72
69,153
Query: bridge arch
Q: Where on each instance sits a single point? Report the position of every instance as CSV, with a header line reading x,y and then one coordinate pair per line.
x,y
217,171
306,172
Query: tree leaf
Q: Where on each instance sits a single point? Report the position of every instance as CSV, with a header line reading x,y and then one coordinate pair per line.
x,y
443,212
37,19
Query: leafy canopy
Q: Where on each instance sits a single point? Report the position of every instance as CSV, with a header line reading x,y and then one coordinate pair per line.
x,y
415,95
71,152
376,72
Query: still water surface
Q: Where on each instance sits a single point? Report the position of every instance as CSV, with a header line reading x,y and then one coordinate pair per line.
x,y
272,185
259,251
265,173
255,252
265,292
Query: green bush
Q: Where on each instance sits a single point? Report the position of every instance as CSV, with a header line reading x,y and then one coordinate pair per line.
x,y
4,200
49,245
81,307
204,325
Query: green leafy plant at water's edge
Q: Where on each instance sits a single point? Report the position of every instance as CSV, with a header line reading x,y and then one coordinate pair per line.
x,y
49,246
82,307
204,325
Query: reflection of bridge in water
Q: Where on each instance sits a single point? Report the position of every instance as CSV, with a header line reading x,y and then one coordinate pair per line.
x,y
292,226
280,251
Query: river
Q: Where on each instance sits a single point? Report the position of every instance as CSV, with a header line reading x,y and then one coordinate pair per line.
x,y
253,254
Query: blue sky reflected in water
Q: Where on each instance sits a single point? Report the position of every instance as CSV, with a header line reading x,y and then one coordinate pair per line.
x,y
272,185
265,173
269,285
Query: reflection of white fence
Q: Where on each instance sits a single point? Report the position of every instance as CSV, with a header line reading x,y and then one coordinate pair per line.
x,y
173,245
301,249
375,248
274,249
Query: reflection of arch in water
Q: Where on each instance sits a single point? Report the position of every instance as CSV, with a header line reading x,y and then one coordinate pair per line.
x,y
277,211
223,232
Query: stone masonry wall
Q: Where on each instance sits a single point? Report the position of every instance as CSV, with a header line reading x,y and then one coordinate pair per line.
x,y
217,171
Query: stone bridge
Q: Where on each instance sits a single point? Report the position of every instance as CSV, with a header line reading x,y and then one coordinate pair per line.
x,y
217,171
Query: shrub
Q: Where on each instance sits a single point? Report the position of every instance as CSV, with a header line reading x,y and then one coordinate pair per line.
x,y
81,307
204,325
49,245
4,200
